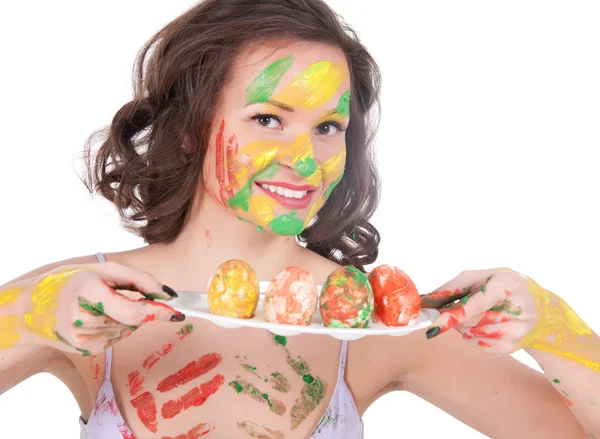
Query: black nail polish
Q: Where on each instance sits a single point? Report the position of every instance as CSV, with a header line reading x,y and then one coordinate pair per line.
x,y
170,291
178,317
432,332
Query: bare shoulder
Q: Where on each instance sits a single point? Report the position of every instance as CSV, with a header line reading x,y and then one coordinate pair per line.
x,y
51,266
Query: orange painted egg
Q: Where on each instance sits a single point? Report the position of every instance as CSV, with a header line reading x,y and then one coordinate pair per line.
x,y
397,301
233,290
346,299
291,297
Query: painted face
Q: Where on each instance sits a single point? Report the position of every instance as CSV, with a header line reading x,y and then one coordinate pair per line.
x,y
277,147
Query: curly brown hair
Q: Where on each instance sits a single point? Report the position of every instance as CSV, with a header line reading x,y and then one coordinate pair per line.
x,y
142,167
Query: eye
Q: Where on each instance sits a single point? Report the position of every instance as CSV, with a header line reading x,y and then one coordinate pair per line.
x,y
330,128
267,120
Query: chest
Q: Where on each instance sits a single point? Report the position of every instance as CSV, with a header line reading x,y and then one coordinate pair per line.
x,y
177,379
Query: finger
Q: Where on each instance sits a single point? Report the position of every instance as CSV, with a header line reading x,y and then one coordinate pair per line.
x,y
122,277
490,295
457,288
510,331
130,312
505,311
87,319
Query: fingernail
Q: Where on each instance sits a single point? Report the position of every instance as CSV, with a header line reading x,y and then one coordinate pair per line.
x,y
432,332
170,291
179,317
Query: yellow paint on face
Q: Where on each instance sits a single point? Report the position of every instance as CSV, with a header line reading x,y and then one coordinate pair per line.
x,y
315,86
41,320
262,208
300,149
10,328
560,321
260,154
334,166
9,296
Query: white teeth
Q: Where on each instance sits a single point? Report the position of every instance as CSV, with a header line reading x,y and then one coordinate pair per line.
x,y
288,193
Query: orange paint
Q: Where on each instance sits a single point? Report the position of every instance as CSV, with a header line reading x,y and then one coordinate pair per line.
x,y
193,398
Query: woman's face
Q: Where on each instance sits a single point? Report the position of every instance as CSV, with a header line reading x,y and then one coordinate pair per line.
x,y
277,145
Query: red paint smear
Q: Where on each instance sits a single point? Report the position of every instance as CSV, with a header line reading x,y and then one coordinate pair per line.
x,y
483,344
467,336
106,405
135,382
190,371
194,433
125,432
95,368
565,399
220,162
194,397
455,316
478,332
443,294
505,319
208,238
153,358
146,410
148,318
489,317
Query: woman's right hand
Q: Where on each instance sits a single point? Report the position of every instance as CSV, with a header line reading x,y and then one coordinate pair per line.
x,y
88,308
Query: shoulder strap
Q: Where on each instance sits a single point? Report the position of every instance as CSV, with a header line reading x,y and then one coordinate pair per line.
x,y
342,366
100,257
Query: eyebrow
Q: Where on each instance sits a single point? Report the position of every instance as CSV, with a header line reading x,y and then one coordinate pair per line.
x,y
290,109
275,103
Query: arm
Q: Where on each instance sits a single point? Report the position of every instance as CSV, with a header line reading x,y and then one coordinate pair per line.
x,y
496,395
572,366
20,359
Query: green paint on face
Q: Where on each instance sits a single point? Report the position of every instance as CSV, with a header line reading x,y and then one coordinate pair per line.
x,y
240,200
287,224
280,339
100,307
263,86
556,380
306,167
332,186
259,229
78,323
343,106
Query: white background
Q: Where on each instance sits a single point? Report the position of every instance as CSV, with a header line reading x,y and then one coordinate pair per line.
x,y
488,149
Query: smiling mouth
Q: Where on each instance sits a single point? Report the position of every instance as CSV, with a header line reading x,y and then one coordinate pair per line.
x,y
288,195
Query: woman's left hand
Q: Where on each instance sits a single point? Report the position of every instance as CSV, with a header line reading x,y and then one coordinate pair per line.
x,y
500,310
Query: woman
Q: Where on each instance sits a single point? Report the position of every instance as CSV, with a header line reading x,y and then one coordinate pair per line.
x,y
238,99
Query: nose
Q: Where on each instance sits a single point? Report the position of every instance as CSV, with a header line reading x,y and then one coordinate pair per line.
x,y
299,155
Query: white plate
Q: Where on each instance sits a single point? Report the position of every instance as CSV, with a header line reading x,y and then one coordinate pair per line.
x,y
195,304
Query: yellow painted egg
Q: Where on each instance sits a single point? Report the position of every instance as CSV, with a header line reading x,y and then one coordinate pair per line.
x,y
233,290
291,297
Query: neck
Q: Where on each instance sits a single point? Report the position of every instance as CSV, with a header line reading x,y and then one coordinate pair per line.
x,y
212,235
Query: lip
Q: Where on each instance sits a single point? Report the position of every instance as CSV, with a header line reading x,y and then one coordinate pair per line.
x,y
292,203
294,187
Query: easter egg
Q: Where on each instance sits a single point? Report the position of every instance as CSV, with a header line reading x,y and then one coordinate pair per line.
x,y
291,297
346,299
397,301
233,290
